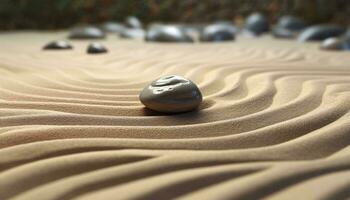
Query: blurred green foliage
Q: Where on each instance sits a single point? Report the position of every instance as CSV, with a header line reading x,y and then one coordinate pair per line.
x,y
57,14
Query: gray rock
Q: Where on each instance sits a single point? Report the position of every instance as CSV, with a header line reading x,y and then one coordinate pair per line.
x,y
132,33
112,27
331,44
320,32
171,94
257,23
291,23
288,27
96,48
218,32
133,22
87,32
167,33
58,45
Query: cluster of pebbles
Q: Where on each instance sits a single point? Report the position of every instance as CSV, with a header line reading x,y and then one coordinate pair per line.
x,y
287,27
176,94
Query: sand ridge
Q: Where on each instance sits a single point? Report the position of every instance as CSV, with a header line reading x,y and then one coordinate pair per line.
x,y
273,124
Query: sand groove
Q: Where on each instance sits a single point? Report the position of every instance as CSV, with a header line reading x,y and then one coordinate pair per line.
x,y
274,122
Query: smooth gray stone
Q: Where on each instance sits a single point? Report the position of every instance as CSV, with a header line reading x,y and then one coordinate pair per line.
x,y
167,33
132,33
96,48
279,32
133,22
87,32
257,23
218,32
171,94
332,44
291,23
112,27
320,32
58,45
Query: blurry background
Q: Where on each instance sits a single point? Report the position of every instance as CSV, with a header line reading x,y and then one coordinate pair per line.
x,y
59,14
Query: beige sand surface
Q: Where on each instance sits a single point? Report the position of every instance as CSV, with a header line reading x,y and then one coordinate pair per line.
x,y
274,124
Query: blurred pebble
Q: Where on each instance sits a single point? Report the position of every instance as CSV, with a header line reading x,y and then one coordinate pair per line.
x,y
133,22
86,32
288,27
331,44
291,23
96,48
218,32
257,24
58,45
320,32
167,33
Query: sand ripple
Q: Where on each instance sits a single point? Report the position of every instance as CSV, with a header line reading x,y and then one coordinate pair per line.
x,y
274,122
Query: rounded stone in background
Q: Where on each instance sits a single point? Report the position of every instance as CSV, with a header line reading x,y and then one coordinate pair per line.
x,y
58,45
291,23
133,22
288,27
332,44
86,32
96,48
171,94
257,24
167,33
320,32
112,27
218,32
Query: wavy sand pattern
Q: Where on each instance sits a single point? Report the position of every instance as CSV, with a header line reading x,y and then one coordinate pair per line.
x,y
274,123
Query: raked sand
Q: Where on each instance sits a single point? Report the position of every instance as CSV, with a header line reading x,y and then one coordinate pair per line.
x,y
274,122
